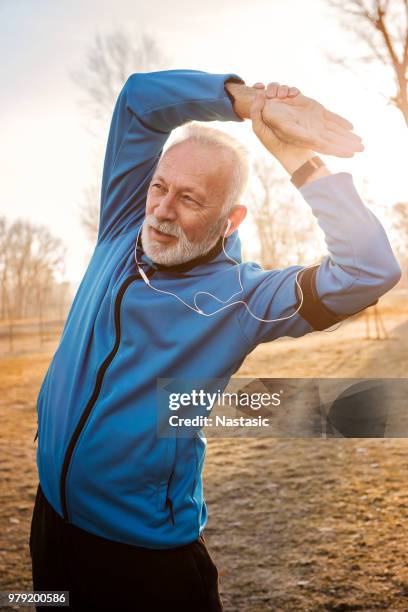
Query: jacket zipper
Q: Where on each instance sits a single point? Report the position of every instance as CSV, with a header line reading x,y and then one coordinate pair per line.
x,y
98,384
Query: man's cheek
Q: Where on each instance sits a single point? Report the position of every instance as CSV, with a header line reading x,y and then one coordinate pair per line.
x,y
196,230
149,207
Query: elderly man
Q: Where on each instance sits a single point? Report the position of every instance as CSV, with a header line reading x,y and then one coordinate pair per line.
x,y
119,514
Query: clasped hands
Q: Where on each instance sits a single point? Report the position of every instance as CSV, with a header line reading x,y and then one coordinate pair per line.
x,y
283,118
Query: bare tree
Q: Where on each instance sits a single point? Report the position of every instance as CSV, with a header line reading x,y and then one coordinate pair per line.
x,y
48,259
109,62
264,210
30,260
286,234
382,28
20,238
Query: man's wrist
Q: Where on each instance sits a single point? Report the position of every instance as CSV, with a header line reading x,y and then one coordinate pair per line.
x,y
292,158
318,173
241,97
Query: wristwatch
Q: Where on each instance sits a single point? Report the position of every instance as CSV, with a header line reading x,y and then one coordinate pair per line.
x,y
302,174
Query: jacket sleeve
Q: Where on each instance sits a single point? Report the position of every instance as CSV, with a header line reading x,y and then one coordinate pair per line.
x,y
148,108
359,268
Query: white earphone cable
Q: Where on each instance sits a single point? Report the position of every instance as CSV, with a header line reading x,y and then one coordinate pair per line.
x,y
200,312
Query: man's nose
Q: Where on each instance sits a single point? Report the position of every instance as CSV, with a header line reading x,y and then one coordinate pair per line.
x,y
165,209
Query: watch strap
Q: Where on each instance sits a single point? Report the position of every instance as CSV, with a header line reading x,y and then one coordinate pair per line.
x,y
302,174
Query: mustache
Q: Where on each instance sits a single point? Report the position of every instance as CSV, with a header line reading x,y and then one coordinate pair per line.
x,y
166,227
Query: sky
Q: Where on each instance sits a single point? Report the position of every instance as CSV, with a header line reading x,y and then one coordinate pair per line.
x,y
46,153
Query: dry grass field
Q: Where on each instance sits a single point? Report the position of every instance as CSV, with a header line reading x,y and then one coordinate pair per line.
x,y
294,524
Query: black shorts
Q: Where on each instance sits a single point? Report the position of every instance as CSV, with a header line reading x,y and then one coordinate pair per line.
x,y
102,574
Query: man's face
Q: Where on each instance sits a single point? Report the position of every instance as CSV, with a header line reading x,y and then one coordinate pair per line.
x,y
184,203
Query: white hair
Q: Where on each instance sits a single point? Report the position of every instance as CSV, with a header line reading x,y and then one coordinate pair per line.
x,y
227,145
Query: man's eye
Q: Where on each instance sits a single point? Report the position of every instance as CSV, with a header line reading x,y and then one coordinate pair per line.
x,y
187,198
158,187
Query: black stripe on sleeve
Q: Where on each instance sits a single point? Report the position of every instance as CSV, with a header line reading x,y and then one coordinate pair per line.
x,y
313,310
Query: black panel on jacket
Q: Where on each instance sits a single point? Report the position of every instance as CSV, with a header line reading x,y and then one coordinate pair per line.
x,y
313,310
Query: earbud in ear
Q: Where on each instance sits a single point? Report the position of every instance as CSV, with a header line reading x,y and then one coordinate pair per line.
x,y
228,226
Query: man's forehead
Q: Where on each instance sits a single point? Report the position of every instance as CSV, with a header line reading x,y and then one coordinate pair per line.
x,y
186,183
195,166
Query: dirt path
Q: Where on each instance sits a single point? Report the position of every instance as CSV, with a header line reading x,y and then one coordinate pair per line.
x,y
294,524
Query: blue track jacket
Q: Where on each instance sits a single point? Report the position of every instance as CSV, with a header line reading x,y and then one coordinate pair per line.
x,y
101,465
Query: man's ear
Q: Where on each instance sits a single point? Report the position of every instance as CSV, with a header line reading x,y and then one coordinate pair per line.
x,y
236,216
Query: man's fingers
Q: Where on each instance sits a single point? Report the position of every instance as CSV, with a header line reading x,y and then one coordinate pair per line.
x,y
351,142
299,136
341,121
275,90
334,133
333,148
283,91
335,152
293,92
272,90
341,131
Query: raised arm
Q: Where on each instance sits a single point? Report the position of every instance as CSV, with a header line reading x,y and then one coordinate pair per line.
x,y
359,268
148,108
152,104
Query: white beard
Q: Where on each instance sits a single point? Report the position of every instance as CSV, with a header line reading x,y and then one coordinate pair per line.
x,y
184,250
